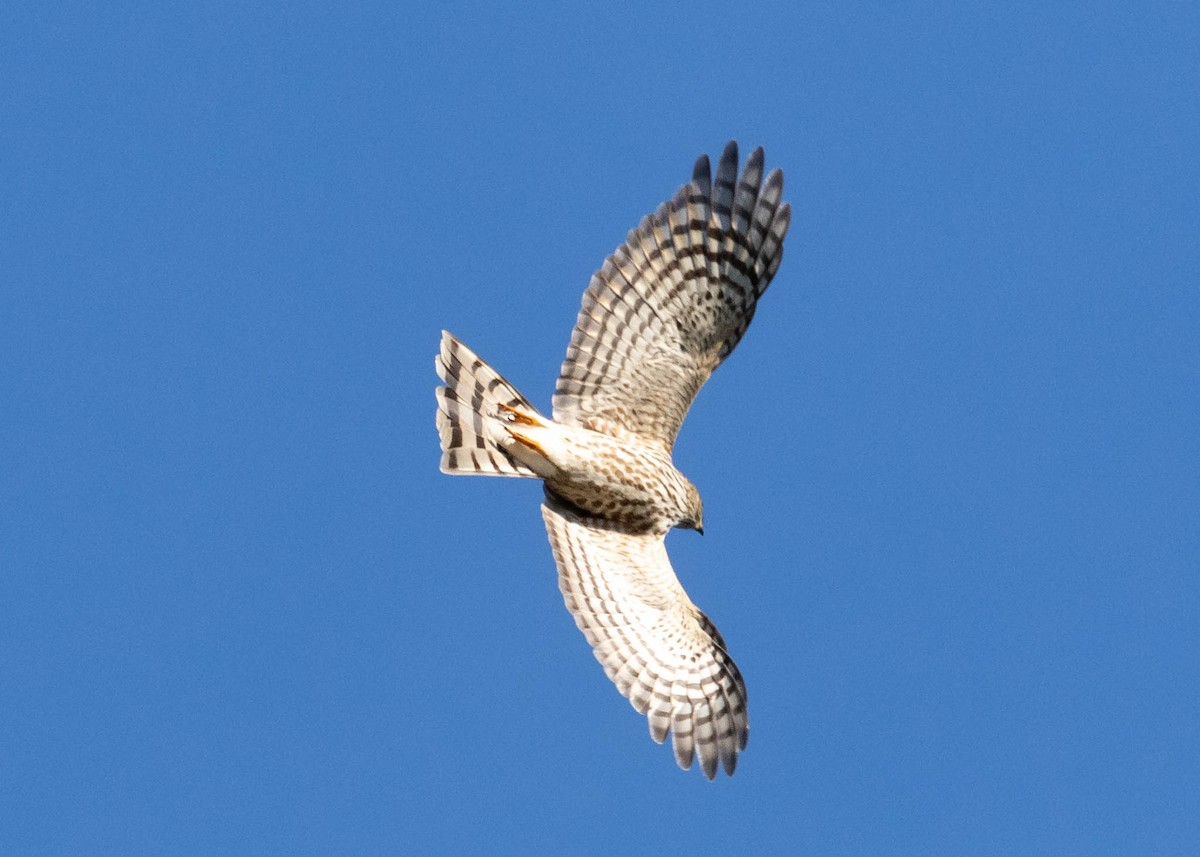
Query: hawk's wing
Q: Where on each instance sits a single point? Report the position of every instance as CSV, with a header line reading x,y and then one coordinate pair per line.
x,y
654,643
672,302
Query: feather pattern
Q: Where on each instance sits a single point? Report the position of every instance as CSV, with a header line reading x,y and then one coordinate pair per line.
x,y
664,655
467,417
671,303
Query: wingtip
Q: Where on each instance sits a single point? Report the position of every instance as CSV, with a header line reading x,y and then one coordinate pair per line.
x,y
729,762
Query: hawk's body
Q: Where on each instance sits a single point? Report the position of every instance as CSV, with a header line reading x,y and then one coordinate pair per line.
x,y
661,314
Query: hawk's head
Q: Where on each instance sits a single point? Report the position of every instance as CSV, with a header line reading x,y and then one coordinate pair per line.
x,y
693,518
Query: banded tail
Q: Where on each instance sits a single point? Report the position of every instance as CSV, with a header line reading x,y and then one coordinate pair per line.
x,y
473,409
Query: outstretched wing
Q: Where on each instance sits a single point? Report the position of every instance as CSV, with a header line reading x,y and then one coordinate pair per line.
x,y
672,302
663,654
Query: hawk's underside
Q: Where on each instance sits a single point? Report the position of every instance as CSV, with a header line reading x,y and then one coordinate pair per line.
x,y
661,314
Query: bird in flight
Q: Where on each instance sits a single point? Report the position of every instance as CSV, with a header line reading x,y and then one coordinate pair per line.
x,y
665,309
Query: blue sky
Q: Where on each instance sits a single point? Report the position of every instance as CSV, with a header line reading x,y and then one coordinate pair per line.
x,y
951,476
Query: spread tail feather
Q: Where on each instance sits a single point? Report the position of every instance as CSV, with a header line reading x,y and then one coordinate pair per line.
x,y
469,417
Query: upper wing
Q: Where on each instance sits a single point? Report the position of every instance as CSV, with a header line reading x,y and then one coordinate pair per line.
x,y
672,302
654,643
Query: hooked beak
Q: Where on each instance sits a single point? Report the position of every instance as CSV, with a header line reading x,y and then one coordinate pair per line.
x,y
700,530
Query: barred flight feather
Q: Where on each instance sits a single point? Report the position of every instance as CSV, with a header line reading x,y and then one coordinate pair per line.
x,y
466,419
680,291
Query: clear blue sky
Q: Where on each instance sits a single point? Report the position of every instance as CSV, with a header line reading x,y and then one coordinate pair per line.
x,y
951,476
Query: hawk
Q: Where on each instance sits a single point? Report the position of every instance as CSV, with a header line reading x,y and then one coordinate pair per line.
x,y
665,309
